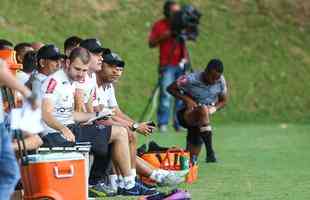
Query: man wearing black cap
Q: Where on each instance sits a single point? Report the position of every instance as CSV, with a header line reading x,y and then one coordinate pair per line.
x,y
49,59
86,88
112,69
203,93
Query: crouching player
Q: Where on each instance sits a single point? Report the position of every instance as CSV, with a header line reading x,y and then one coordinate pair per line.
x,y
203,93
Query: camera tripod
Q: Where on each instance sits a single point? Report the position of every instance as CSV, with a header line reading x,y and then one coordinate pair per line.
x,y
152,100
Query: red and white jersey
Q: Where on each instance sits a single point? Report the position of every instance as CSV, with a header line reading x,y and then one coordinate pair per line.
x,y
60,91
88,86
105,96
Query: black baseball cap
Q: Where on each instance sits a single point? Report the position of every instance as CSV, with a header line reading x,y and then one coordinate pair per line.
x,y
93,45
113,59
49,51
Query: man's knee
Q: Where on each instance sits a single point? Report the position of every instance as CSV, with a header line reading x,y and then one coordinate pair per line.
x,y
202,111
119,133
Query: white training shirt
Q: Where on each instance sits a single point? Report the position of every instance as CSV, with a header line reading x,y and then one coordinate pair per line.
x,y
60,90
88,85
37,82
105,95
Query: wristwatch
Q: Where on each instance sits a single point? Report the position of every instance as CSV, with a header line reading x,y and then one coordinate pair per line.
x,y
134,126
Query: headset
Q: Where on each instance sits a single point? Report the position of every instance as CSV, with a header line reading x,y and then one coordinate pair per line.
x,y
167,6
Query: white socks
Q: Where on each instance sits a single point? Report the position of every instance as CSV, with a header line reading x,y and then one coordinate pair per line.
x,y
205,128
121,183
126,182
114,181
133,172
129,182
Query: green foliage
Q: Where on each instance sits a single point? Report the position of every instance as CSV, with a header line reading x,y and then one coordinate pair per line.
x,y
264,48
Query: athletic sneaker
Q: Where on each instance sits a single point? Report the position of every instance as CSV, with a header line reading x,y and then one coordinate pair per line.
x,y
211,159
138,190
152,187
101,190
172,179
163,128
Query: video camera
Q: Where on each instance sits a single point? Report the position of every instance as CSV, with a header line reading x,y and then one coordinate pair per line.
x,y
184,23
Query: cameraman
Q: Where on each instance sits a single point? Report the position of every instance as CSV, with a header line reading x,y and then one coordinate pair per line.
x,y
172,52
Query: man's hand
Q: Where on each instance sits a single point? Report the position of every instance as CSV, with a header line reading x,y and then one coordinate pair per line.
x,y
156,41
106,113
190,104
145,129
212,109
68,134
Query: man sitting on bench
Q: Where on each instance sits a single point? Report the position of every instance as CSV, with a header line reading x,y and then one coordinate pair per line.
x,y
58,114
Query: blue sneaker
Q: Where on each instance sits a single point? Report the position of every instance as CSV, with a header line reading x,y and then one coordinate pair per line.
x,y
138,190
120,191
139,181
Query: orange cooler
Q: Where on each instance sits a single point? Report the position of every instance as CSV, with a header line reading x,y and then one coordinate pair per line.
x,y
58,176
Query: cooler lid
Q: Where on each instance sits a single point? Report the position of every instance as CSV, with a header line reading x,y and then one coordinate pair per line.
x,y
53,157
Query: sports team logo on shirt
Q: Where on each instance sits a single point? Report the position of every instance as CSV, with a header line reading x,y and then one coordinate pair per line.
x,y
51,86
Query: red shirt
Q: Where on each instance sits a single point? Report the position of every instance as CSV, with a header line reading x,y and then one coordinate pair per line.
x,y
171,51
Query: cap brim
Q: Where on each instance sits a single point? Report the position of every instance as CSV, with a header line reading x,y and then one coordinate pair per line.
x,y
97,50
117,63
101,50
57,57
106,51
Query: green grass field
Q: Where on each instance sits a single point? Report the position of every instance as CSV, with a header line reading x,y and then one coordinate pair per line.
x,y
256,162
265,47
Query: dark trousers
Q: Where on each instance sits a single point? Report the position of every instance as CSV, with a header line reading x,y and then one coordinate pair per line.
x,y
98,136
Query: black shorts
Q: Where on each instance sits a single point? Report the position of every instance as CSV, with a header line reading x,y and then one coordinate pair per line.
x,y
193,133
194,137
180,116
98,135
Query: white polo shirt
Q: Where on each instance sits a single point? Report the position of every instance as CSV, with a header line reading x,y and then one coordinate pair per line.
x,y
60,90
105,96
37,82
88,86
